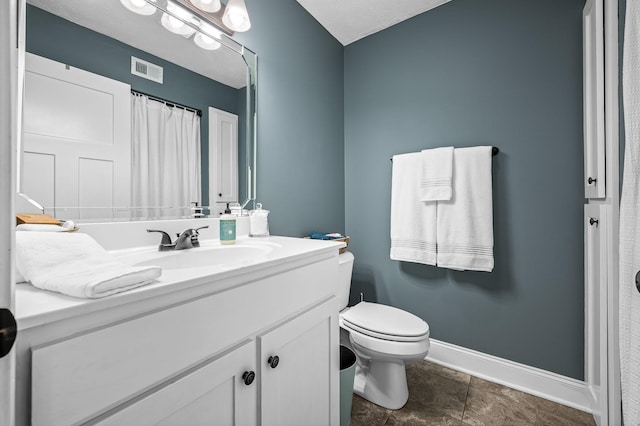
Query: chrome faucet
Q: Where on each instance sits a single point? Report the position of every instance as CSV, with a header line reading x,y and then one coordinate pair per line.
x,y
186,240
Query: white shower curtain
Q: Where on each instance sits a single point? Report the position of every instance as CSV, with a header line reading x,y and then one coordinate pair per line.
x,y
165,157
630,221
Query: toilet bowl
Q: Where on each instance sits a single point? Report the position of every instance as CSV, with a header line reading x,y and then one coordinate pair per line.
x,y
384,340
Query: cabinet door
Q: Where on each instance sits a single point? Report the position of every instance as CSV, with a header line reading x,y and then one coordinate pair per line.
x,y
596,222
301,387
213,394
223,157
593,103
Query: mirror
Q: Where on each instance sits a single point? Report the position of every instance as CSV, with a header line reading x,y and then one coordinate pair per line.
x,y
103,38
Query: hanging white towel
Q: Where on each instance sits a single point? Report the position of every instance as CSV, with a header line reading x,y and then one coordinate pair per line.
x,y
413,222
437,166
629,315
76,265
465,223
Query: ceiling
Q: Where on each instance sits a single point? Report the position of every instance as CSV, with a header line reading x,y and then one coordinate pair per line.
x,y
351,20
145,33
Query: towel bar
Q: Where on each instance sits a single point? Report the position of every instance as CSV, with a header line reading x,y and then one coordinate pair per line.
x,y
494,152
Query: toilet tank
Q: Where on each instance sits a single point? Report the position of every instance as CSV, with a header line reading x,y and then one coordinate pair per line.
x,y
345,269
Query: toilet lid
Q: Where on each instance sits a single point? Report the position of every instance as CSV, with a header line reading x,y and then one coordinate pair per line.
x,y
385,321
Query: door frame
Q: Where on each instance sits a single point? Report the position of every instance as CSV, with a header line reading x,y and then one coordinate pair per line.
x,y
12,48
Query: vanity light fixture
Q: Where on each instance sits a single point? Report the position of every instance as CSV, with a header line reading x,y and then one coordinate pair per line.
x,y
206,37
141,7
176,24
206,18
207,5
236,16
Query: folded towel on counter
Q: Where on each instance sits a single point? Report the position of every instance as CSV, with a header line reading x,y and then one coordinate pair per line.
x,y
76,265
465,223
42,228
437,169
413,222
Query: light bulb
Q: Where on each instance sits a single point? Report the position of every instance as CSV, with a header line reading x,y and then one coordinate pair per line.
x,y
236,16
176,24
207,5
140,7
206,42
205,37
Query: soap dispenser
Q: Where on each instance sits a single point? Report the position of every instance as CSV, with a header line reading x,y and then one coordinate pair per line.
x,y
259,222
227,227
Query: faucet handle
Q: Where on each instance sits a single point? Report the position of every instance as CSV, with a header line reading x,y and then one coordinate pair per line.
x,y
194,236
166,239
202,227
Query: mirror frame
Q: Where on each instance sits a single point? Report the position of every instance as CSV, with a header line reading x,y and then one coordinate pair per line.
x,y
250,59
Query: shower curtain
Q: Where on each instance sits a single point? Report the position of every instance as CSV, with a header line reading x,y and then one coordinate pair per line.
x,y
630,221
165,159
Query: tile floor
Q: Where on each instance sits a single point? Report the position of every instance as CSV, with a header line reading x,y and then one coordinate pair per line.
x,y
441,396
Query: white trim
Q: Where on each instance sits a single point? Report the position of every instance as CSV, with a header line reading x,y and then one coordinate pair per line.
x,y
612,124
12,25
554,387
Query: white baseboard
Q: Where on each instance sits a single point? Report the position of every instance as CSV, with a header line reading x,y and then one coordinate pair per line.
x,y
554,387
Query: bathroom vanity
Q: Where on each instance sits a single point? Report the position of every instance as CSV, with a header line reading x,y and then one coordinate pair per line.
x,y
246,340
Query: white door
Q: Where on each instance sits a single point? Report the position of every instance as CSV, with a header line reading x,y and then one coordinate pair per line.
x,y
77,140
299,370
12,21
223,157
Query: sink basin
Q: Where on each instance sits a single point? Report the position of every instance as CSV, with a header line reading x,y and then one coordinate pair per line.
x,y
205,256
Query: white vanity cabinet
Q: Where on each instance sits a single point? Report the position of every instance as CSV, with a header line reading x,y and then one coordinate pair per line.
x,y
188,357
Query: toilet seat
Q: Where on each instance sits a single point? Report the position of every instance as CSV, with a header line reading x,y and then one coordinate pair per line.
x,y
385,322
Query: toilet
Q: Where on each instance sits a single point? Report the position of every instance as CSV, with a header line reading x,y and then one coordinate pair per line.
x,y
384,340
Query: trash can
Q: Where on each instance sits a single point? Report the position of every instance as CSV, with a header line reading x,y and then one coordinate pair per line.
x,y
347,373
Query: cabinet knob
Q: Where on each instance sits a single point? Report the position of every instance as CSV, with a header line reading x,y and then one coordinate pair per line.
x,y
248,377
591,181
638,280
273,361
220,193
593,221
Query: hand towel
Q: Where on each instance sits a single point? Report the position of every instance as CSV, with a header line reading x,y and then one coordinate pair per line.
x,y
437,166
465,223
41,228
76,265
36,227
413,222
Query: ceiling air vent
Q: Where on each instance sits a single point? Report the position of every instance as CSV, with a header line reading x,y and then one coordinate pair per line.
x,y
146,70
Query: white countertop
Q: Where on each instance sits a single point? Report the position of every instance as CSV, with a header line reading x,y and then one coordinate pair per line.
x,y
36,307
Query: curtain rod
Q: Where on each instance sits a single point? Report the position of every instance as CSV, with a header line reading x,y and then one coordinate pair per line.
x,y
168,102
494,152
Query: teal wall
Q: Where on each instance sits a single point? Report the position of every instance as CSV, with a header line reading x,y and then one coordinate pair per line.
x,y
301,118
506,73
63,41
